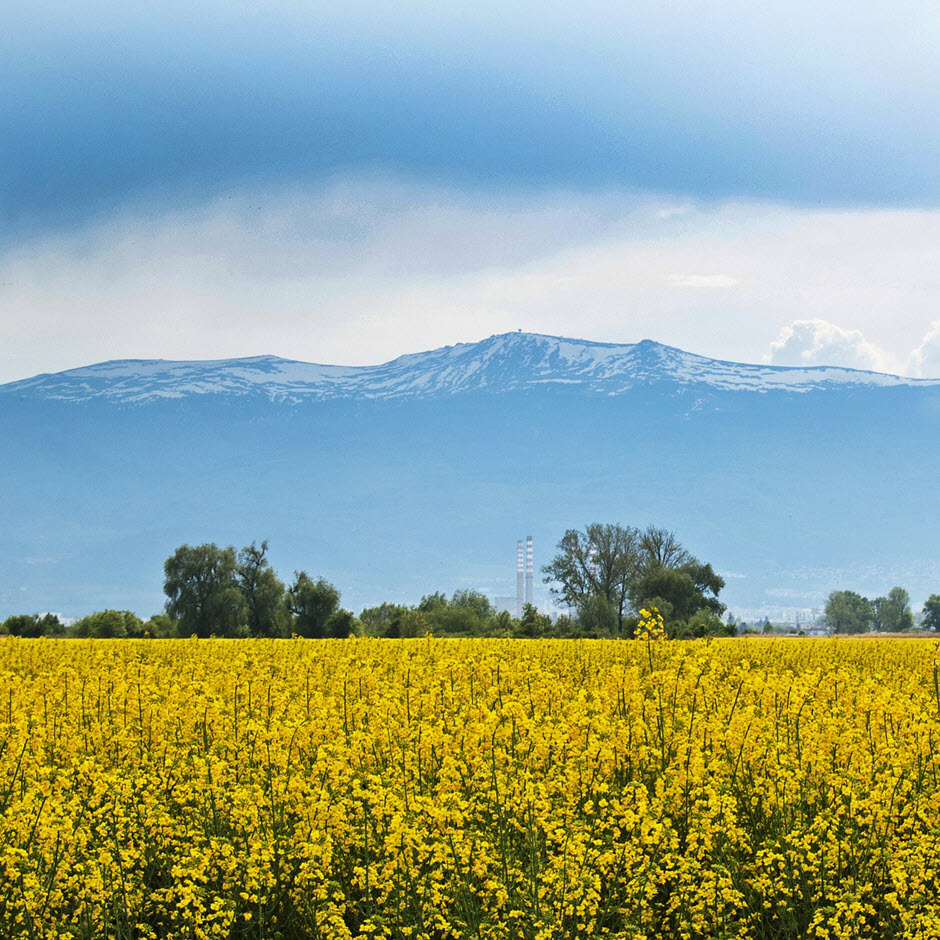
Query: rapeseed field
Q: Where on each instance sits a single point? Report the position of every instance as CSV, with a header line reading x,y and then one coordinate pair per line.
x,y
440,789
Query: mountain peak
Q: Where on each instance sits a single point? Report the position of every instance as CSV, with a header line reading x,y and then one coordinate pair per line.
x,y
501,363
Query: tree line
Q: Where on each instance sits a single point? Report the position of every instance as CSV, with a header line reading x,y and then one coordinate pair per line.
x,y
604,574
849,612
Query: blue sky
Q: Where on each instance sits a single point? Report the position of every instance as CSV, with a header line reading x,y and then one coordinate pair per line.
x,y
349,182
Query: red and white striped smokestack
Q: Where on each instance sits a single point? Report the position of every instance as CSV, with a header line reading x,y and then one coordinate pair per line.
x,y
528,569
519,558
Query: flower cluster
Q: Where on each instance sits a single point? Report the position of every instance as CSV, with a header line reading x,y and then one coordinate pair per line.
x,y
439,789
651,625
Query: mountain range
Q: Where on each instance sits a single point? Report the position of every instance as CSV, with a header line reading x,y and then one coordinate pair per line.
x,y
421,473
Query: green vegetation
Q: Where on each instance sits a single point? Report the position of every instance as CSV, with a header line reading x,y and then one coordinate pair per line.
x,y
931,619
605,574
849,612
607,571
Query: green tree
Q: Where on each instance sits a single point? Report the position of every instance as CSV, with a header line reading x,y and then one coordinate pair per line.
x,y
603,560
311,604
597,616
161,626
377,621
473,600
661,549
565,626
686,589
342,624
893,613
201,585
456,620
431,602
33,625
533,624
466,613
412,623
848,612
932,613
501,624
109,624
702,623
262,590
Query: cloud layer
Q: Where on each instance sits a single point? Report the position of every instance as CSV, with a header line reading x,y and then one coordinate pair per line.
x,y
795,102
365,267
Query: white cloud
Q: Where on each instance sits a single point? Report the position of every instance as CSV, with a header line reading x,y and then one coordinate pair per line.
x,y
358,270
820,343
925,359
702,280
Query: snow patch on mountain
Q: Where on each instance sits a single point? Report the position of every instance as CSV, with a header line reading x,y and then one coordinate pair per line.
x,y
502,363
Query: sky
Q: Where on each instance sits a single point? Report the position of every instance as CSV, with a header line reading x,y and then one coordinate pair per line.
x,y
349,182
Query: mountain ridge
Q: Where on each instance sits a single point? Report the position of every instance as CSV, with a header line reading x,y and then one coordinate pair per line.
x,y
397,480
505,362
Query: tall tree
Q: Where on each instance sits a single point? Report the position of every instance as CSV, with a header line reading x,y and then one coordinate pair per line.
x,y
378,620
932,613
532,623
475,600
311,604
602,560
893,613
341,624
685,589
262,590
662,549
201,585
848,612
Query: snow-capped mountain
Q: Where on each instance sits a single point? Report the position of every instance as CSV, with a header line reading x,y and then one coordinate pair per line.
x,y
504,363
420,474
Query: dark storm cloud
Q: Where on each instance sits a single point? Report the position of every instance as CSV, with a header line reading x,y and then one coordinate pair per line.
x,y
800,105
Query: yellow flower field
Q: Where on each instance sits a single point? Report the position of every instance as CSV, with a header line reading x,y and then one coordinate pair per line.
x,y
469,789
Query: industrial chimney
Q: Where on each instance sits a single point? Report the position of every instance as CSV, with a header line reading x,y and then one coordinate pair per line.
x,y
528,569
519,578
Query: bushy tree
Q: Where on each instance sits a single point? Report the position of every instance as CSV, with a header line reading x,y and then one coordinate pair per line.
x,y
601,561
412,623
33,625
893,613
619,568
431,602
465,613
702,623
501,624
311,604
265,599
377,621
109,624
161,626
475,601
848,612
533,624
201,584
681,591
597,616
456,621
342,624
931,619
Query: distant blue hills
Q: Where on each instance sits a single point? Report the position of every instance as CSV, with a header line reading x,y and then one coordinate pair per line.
x,y
421,473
